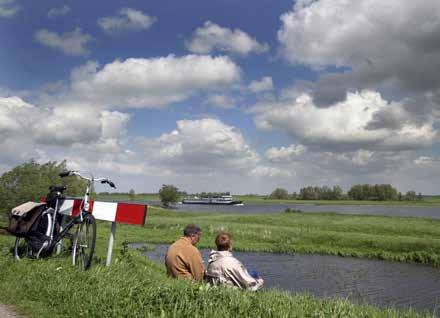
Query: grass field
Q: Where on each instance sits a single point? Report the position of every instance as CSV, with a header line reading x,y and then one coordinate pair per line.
x,y
426,201
136,287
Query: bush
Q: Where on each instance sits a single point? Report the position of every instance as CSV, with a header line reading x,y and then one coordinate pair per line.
x,y
30,181
280,194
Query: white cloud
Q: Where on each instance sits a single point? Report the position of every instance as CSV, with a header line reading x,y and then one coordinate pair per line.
x,y
205,144
348,33
62,126
114,124
346,124
388,45
212,37
58,12
15,115
221,101
154,82
71,43
270,172
127,19
263,85
285,154
8,8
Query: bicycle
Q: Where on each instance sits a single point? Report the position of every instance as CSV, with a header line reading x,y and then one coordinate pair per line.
x,y
49,230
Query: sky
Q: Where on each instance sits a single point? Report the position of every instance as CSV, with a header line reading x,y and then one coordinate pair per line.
x,y
240,96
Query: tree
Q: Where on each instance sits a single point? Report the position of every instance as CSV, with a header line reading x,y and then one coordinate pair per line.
x,y
131,194
168,194
30,181
410,196
280,194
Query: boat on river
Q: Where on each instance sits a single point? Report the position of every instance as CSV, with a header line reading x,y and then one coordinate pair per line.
x,y
218,200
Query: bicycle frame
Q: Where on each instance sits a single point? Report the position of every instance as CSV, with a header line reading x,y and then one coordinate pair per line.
x,y
84,208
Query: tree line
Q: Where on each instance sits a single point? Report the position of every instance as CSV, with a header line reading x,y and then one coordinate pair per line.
x,y
376,192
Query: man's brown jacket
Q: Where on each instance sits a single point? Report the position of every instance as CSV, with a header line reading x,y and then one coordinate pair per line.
x,y
184,260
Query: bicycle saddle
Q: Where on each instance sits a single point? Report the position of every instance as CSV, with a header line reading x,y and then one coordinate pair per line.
x,y
54,188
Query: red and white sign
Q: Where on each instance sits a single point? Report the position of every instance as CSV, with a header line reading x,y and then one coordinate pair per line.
x,y
128,213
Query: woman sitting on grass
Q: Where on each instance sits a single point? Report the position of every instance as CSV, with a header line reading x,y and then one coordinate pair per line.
x,y
225,269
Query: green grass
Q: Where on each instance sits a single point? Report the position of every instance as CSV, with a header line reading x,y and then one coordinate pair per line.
x,y
426,201
136,287
133,286
405,239
380,237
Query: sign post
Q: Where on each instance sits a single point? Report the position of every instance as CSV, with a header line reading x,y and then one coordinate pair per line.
x,y
127,213
111,240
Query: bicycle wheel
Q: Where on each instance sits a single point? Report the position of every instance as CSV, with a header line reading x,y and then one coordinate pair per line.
x,y
22,249
37,241
84,243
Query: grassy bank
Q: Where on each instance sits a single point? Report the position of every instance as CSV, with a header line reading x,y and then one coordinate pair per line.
x,y
381,237
428,201
405,239
136,287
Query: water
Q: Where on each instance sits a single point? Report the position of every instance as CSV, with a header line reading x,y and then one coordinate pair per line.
x,y
375,282
258,208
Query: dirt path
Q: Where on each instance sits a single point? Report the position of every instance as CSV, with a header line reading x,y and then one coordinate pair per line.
x,y
7,312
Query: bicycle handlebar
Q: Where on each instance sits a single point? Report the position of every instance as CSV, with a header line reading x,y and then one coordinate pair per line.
x,y
110,183
76,173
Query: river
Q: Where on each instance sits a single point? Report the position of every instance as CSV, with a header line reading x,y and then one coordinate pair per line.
x,y
259,208
362,281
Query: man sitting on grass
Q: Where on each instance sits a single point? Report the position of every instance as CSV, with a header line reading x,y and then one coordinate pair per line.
x,y
225,269
183,259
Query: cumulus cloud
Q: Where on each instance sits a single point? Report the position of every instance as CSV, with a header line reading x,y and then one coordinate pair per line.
x,y
71,43
263,85
351,124
270,172
127,19
285,154
377,50
62,126
8,8
203,145
153,82
58,12
212,37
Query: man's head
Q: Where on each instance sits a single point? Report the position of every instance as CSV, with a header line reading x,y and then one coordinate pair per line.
x,y
223,241
193,232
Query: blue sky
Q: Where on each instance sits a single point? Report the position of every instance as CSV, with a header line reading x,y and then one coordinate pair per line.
x,y
224,95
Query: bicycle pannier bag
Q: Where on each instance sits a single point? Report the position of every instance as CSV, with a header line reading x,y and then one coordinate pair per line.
x,y
23,217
